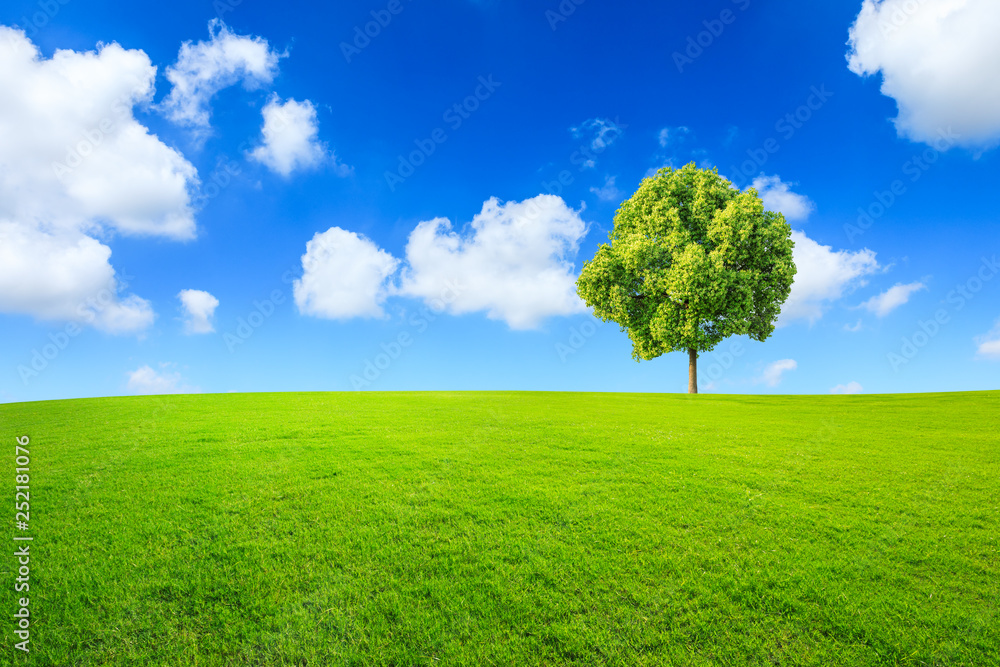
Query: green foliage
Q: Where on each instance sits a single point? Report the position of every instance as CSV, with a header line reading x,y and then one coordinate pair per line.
x,y
498,528
692,261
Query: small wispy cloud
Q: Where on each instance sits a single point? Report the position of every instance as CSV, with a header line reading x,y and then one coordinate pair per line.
x,y
774,373
145,380
855,328
778,196
849,388
608,191
600,132
989,345
892,298
199,309
673,135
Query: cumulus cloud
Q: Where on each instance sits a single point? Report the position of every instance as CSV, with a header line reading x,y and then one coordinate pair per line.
x,y
849,388
76,165
824,276
894,297
199,309
778,196
147,381
205,68
774,373
65,276
609,191
938,61
515,264
344,276
989,345
290,139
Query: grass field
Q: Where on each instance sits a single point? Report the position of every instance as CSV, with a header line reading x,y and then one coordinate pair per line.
x,y
509,529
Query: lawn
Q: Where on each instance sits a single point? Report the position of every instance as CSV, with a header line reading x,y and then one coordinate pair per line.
x,y
509,529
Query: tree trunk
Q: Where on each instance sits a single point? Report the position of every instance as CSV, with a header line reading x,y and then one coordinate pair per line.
x,y
692,371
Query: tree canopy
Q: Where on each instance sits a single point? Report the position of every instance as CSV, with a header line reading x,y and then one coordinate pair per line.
x,y
692,260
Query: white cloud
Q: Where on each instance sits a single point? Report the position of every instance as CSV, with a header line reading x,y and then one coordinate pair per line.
x,y
74,156
849,388
344,275
205,68
989,345
677,143
145,381
892,298
670,135
515,265
990,349
938,60
199,309
608,191
774,373
290,139
601,133
76,164
777,196
65,276
824,275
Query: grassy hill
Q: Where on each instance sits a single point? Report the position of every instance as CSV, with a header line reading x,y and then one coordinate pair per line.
x,y
509,529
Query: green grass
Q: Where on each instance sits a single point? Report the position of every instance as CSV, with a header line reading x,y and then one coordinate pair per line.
x,y
510,529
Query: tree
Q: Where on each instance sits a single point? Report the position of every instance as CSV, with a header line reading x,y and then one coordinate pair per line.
x,y
692,261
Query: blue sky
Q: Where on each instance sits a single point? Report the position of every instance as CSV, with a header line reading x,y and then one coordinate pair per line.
x,y
209,169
